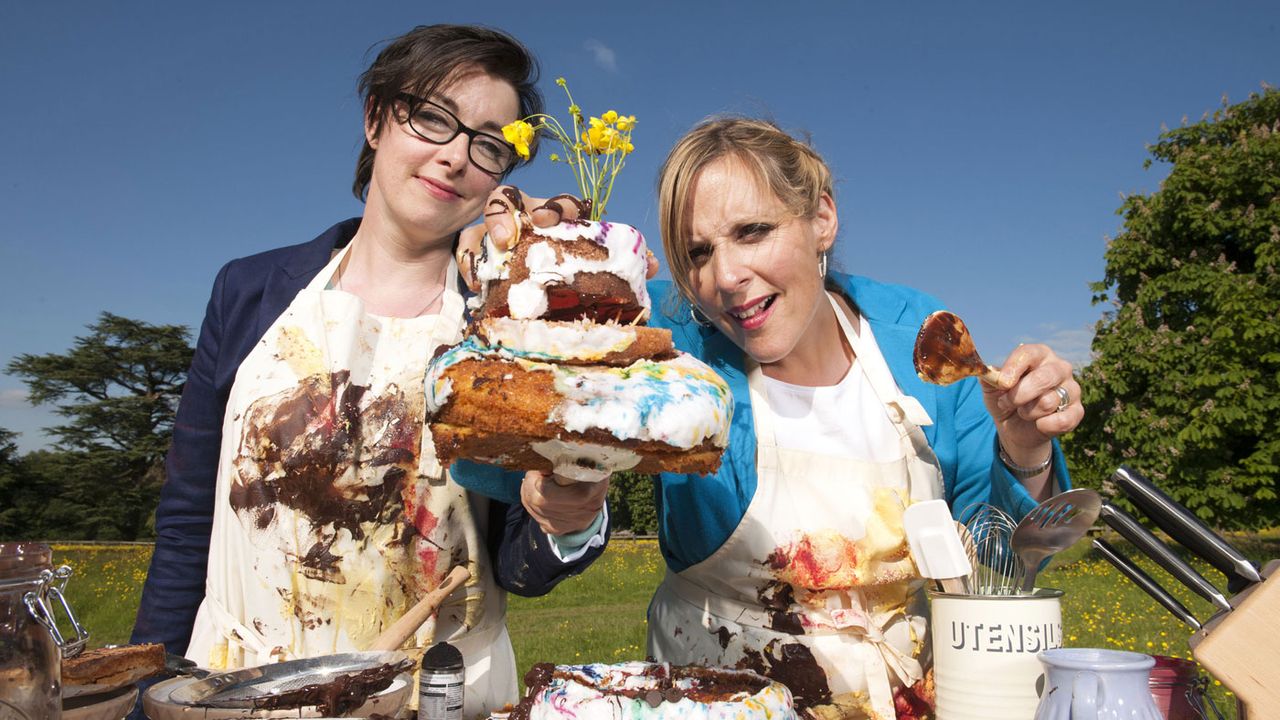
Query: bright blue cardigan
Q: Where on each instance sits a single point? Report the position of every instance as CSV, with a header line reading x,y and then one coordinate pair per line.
x,y
697,513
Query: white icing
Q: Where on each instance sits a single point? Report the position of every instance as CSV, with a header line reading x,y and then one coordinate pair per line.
x,y
579,340
680,402
585,462
527,299
592,693
627,258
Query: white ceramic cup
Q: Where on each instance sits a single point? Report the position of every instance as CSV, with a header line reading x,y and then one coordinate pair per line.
x,y
984,652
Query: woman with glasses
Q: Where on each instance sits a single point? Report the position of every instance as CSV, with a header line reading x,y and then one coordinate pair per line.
x,y
791,558
301,469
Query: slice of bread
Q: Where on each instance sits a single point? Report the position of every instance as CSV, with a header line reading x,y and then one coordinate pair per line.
x,y
114,666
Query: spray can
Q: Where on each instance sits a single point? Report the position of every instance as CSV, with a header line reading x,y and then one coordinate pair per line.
x,y
440,684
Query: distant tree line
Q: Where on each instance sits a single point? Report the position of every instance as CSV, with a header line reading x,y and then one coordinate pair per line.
x,y
1184,384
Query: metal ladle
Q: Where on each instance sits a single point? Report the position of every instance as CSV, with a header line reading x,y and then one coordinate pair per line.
x,y
945,353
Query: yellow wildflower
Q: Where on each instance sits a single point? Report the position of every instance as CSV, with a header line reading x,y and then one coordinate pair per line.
x,y
560,81
597,123
595,140
555,157
626,122
610,117
519,134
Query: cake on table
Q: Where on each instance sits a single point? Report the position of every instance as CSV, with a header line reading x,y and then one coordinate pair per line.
x,y
558,372
635,690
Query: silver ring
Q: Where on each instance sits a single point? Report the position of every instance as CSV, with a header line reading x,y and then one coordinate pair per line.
x,y
1063,399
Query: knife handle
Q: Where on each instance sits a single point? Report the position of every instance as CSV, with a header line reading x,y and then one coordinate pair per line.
x,y
1144,581
1133,531
1186,529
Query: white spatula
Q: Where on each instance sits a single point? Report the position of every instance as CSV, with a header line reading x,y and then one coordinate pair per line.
x,y
936,546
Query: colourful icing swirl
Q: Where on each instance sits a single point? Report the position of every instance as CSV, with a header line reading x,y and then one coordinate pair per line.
x,y
680,402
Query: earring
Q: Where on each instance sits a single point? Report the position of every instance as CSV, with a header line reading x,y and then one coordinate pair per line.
x,y
822,266
698,319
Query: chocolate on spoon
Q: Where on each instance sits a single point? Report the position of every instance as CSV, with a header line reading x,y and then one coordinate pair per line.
x,y
945,352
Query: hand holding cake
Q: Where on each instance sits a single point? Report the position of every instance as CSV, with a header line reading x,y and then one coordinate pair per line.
x,y
559,375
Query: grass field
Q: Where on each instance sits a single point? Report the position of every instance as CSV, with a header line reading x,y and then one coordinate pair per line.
x,y
600,616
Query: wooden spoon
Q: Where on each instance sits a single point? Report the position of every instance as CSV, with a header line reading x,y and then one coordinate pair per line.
x,y
945,353
393,637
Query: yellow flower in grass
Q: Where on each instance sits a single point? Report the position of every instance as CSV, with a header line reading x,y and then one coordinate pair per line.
x,y
625,123
519,134
610,117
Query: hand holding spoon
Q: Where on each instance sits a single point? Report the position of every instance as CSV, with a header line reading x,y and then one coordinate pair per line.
x,y
945,352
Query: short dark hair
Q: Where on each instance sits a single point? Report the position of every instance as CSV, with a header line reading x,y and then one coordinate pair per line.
x,y
426,57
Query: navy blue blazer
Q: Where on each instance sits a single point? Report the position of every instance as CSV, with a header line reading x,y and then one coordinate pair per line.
x,y
248,295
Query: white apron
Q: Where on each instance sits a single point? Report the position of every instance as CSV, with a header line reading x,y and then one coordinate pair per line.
x,y
815,586
332,516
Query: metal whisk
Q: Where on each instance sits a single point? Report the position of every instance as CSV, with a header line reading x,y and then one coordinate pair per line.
x,y
996,568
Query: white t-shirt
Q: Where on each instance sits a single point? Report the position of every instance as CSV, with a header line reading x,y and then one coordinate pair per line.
x,y
845,419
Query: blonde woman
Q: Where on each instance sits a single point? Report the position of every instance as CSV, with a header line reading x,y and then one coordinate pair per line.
x,y
791,559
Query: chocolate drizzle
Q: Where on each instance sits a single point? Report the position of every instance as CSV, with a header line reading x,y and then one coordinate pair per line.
x,y
338,696
296,444
664,684
795,667
944,350
777,598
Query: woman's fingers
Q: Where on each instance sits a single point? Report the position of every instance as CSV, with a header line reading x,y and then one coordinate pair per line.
x,y
468,250
1038,398
560,509
556,209
504,204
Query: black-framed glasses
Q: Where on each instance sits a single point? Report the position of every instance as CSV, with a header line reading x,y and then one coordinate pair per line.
x,y
438,126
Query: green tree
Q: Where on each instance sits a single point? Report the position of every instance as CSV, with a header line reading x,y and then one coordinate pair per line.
x,y
1185,381
18,510
118,387
631,505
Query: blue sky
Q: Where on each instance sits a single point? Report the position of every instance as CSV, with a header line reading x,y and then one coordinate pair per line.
x,y
980,149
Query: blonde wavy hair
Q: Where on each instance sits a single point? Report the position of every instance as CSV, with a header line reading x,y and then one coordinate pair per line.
x,y
790,168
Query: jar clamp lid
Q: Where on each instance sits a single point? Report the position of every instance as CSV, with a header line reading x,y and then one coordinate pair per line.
x,y
26,567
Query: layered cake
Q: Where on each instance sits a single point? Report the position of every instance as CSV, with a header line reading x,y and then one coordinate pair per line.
x,y
558,372
649,691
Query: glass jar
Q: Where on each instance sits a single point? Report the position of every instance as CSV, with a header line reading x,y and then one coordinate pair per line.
x,y
31,645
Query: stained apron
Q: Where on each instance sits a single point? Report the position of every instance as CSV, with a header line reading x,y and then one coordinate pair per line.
x,y
815,587
332,516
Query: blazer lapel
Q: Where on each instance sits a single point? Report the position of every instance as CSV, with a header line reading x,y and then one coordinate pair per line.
x,y
292,273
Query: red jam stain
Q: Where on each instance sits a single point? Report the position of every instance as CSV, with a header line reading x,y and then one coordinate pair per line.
x,y
915,702
824,562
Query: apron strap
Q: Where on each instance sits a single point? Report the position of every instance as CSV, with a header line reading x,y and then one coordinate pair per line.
x,y
238,638
325,276
904,410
